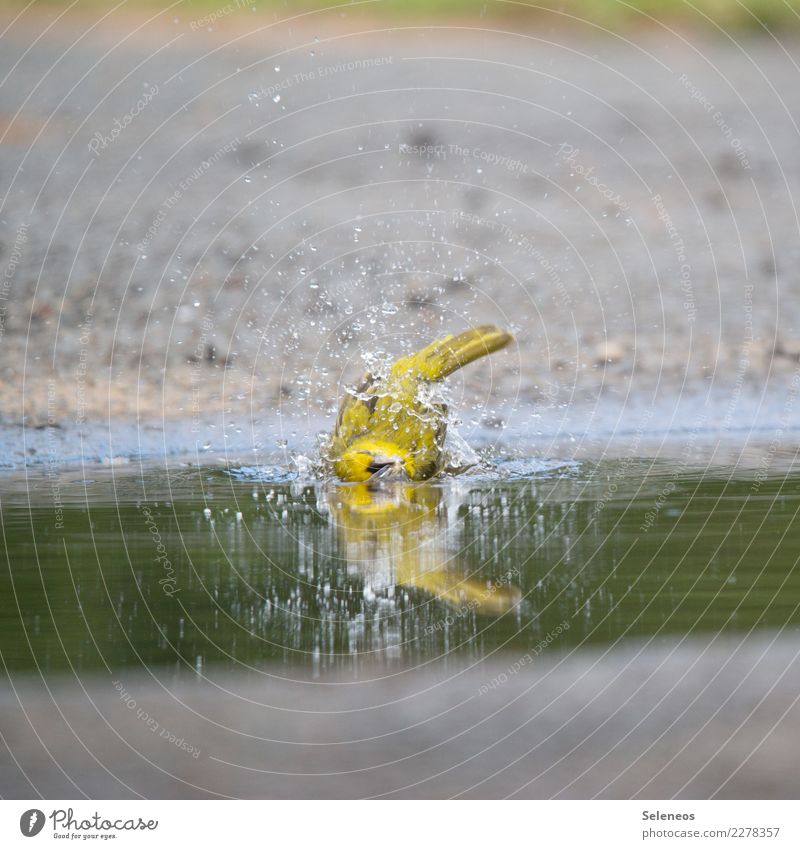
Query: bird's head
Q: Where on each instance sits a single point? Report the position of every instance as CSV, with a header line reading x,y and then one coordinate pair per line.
x,y
366,458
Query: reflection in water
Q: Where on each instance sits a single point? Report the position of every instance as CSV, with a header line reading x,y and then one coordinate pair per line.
x,y
397,533
199,567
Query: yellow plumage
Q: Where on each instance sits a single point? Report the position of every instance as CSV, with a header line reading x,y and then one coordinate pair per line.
x,y
386,423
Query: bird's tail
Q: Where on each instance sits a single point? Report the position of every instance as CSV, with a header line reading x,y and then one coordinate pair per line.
x,y
448,354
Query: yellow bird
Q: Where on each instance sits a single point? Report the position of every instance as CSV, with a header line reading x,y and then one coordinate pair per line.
x,y
387,423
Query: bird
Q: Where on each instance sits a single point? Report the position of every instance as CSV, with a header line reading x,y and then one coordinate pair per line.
x,y
389,423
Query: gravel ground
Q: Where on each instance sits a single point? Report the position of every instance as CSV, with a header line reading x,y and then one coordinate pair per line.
x,y
200,229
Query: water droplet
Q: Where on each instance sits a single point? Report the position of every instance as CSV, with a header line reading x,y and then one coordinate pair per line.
x,y
276,99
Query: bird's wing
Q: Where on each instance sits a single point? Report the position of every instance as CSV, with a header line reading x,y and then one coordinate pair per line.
x,y
355,412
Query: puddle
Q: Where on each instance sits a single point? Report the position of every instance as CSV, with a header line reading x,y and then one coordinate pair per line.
x,y
240,567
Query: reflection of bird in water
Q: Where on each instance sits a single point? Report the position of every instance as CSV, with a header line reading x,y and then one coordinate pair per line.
x,y
396,533
390,422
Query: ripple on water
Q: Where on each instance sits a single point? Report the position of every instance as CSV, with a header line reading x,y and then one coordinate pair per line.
x,y
263,474
518,468
524,468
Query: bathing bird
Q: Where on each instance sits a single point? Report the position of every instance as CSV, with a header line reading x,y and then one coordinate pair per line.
x,y
392,423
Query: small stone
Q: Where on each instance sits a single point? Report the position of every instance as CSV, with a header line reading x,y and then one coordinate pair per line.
x,y
609,352
788,348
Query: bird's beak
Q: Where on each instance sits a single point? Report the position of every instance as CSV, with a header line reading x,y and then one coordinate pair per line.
x,y
383,465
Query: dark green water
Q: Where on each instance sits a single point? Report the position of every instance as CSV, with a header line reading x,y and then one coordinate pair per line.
x,y
127,570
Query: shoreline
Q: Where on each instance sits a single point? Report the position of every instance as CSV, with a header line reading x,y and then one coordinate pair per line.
x,y
581,433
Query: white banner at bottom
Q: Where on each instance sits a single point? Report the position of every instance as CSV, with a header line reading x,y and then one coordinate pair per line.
x,y
401,824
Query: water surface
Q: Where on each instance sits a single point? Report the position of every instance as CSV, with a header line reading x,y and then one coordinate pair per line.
x,y
241,567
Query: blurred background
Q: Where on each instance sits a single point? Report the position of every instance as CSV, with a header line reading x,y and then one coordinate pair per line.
x,y
215,212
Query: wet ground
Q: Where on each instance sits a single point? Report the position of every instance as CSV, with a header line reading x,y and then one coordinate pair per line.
x,y
203,228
